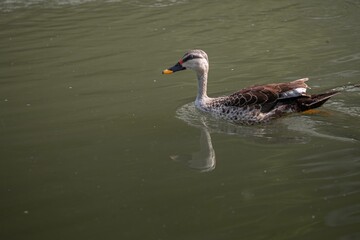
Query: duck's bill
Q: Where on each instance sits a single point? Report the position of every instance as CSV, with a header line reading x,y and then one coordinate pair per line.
x,y
167,71
177,67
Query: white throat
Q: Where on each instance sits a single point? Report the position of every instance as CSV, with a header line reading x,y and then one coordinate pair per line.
x,y
202,98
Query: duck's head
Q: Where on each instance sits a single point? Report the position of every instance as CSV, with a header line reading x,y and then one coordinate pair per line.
x,y
194,59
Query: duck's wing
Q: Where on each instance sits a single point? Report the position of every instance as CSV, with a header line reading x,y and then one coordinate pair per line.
x,y
267,95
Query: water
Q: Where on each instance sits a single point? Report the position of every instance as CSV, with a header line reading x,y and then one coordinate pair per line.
x,y
96,143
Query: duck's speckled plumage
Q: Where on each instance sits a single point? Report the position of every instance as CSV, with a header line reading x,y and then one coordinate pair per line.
x,y
255,104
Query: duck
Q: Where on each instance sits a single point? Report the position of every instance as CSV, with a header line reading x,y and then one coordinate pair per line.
x,y
250,105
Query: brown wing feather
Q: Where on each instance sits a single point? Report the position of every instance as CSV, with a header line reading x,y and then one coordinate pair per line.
x,y
262,94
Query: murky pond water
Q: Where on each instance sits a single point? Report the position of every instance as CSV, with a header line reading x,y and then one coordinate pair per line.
x,y
96,143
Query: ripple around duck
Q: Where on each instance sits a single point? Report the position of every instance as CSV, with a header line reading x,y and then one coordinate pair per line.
x,y
291,129
352,92
195,118
343,108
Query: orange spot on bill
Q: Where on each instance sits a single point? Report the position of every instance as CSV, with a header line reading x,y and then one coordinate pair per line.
x,y
167,71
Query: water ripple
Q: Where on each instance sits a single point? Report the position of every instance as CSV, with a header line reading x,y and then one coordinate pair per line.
x,y
348,58
11,5
344,216
338,178
156,3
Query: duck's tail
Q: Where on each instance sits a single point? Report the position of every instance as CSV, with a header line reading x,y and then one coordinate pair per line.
x,y
314,101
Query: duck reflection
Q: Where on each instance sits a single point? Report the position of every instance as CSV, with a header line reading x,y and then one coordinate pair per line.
x,y
203,160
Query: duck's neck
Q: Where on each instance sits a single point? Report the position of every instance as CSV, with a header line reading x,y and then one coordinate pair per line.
x,y
202,86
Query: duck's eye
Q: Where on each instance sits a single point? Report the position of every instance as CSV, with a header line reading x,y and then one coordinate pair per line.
x,y
190,57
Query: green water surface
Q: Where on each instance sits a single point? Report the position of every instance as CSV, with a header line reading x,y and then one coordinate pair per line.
x,y
96,144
